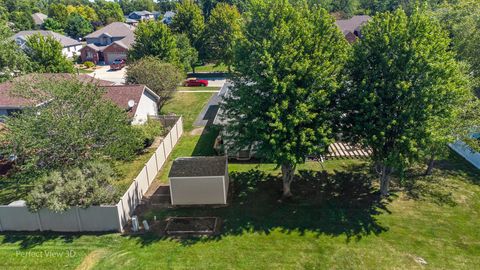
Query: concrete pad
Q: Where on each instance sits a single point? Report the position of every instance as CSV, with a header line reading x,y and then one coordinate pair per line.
x,y
104,73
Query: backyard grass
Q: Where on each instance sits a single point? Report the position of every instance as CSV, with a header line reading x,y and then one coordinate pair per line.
x,y
335,221
188,105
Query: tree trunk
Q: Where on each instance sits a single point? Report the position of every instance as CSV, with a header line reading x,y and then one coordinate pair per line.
x,y
384,181
288,171
431,162
193,68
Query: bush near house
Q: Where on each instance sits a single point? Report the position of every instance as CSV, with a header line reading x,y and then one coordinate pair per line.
x,y
88,64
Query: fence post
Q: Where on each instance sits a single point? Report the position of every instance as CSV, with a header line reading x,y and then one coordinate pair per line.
x,y
78,218
146,172
156,160
164,151
171,140
39,221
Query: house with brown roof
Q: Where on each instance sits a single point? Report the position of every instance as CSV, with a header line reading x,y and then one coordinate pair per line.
x,y
137,100
351,28
108,43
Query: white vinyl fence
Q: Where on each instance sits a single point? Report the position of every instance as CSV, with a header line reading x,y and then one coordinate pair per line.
x,y
95,218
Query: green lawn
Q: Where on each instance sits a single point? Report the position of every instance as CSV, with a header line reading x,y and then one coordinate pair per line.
x,y
334,222
211,68
188,105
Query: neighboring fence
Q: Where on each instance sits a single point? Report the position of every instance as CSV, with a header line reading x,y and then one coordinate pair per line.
x,y
96,218
466,152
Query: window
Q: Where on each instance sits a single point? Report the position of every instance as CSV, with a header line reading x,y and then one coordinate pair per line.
x,y
89,54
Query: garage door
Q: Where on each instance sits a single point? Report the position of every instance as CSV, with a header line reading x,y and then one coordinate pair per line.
x,y
110,57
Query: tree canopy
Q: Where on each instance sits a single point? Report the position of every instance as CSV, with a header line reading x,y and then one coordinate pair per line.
x,y
76,125
224,27
403,75
77,26
163,78
153,38
13,61
287,71
45,52
189,20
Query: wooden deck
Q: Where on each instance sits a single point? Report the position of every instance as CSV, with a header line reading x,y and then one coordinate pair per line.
x,y
341,150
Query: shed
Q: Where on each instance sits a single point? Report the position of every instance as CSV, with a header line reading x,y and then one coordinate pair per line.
x,y
199,180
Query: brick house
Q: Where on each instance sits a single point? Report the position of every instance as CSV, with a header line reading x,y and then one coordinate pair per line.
x,y
109,43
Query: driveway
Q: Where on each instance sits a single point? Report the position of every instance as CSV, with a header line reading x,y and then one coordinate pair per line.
x,y
214,81
209,112
104,73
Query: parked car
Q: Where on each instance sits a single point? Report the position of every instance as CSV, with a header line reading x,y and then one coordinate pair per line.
x,y
195,82
118,64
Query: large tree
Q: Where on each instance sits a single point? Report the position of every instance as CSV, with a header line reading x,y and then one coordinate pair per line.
x,y
129,6
76,125
462,20
187,55
402,73
154,38
287,72
163,78
77,26
189,20
53,25
13,61
45,52
224,27
108,11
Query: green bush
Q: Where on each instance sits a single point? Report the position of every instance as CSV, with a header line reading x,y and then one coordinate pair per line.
x,y
149,131
88,64
85,186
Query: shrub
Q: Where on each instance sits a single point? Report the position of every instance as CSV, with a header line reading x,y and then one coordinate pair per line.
x,y
78,125
85,186
88,64
149,131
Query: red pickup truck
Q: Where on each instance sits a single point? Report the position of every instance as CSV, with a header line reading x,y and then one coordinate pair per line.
x,y
118,64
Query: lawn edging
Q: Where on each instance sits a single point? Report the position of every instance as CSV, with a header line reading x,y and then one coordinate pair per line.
x,y
101,218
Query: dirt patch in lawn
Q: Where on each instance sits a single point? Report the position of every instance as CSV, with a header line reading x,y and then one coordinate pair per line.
x,y
91,259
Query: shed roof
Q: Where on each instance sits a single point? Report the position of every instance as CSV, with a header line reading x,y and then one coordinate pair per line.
x,y
198,166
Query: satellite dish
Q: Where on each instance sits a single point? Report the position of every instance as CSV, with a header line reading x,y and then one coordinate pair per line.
x,y
131,103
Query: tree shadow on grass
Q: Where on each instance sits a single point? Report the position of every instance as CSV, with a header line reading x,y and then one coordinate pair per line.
x,y
335,204
206,142
30,240
435,187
